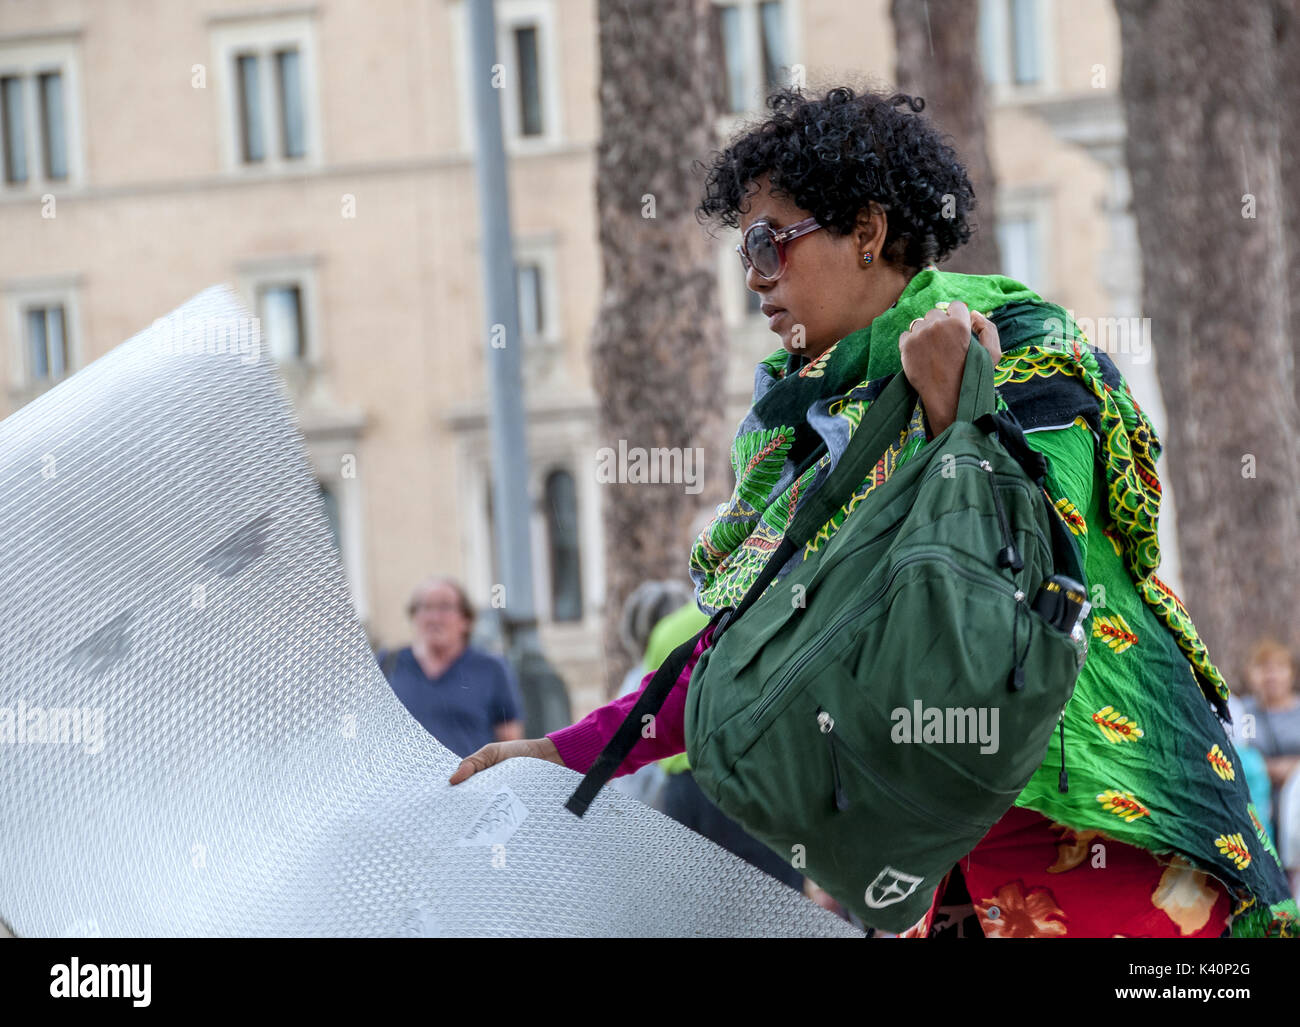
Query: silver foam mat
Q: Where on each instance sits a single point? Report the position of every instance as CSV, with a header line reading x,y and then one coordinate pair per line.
x,y
166,573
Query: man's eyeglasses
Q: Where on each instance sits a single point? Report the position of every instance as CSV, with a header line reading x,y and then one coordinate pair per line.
x,y
763,248
435,606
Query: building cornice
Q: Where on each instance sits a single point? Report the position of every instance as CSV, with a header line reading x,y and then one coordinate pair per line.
x,y
250,179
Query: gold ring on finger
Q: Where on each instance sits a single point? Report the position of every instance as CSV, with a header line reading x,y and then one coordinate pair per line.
x,y
915,322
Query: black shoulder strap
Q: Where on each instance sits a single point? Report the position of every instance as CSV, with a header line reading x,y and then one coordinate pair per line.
x,y
625,738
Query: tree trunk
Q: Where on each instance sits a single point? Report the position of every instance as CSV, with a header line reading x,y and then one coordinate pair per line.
x,y
658,348
1287,29
938,58
1200,91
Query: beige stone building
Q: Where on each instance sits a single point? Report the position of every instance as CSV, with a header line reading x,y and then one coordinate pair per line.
x,y
318,157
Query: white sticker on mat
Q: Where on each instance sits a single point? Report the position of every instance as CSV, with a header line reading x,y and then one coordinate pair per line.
x,y
498,820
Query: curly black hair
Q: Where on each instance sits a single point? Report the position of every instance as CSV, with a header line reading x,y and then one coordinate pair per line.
x,y
834,154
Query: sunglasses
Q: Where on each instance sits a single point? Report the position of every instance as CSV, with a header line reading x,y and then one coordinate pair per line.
x,y
763,248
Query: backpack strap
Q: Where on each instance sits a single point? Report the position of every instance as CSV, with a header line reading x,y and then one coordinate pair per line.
x,y
628,734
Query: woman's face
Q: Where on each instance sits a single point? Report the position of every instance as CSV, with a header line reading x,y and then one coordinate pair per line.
x,y
818,300
1271,679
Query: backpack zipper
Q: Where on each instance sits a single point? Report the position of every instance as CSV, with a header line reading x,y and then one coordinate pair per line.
x,y
996,481
1007,589
1009,556
964,460
826,724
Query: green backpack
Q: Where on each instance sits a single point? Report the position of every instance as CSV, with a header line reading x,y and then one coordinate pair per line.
x,y
873,715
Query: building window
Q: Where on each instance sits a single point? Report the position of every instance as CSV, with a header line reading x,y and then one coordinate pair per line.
x,y
526,49
46,343
36,123
250,108
532,305
54,137
1025,41
281,292
42,328
1022,226
771,27
290,130
528,81
536,289
755,51
279,306
733,59
269,106
288,77
1012,42
15,134
562,536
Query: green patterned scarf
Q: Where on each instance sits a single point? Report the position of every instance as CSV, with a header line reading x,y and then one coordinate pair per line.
x,y
797,405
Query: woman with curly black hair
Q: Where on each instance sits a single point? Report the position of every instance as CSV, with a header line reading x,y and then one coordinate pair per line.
x,y
845,203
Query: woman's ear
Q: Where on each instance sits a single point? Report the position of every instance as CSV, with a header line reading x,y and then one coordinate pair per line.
x,y
871,228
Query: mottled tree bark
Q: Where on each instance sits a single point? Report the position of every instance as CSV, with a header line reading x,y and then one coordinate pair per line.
x,y
1287,30
1200,86
658,348
938,58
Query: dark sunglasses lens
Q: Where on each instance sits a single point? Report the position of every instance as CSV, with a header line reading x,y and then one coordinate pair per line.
x,y
762,250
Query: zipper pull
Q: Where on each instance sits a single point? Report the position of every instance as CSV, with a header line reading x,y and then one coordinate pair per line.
x,y
1016,679
825,724
1008,556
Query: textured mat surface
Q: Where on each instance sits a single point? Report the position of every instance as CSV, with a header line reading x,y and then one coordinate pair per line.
x,y
194,737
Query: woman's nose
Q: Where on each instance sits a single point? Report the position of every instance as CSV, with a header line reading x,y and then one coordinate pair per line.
x,y
754,282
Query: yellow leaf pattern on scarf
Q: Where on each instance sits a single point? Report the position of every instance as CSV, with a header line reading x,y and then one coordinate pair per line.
x,y
1073,519
1123,805
1221,764
1234,847
1115,727
1114,631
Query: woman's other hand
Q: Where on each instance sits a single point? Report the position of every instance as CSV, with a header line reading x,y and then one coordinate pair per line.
x,y
492,754
934,357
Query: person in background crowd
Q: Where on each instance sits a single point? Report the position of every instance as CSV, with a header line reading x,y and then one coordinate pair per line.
x,y
1273,702
464,697
643,611
682,799
1275,734
1254,765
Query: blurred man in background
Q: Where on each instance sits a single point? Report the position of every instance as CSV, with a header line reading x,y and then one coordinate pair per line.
x,y
463,696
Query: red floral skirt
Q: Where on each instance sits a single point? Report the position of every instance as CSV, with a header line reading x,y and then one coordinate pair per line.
x,y
1032,878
